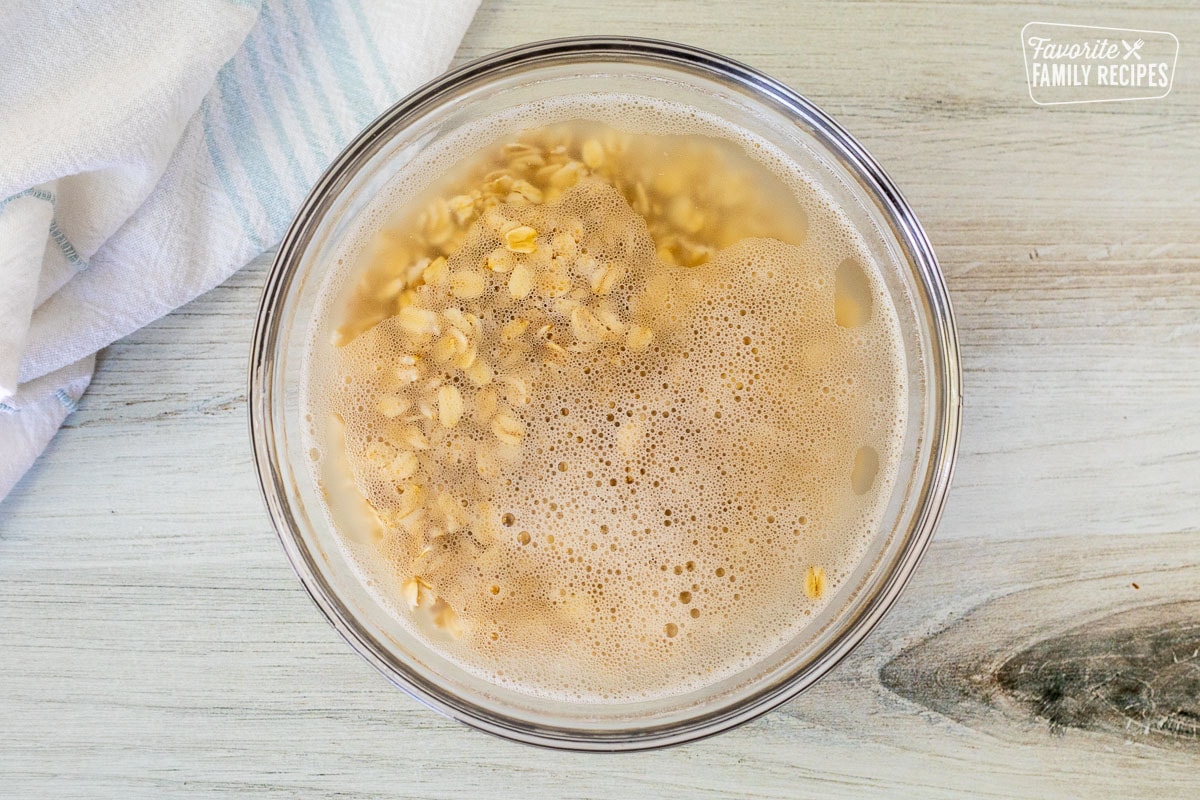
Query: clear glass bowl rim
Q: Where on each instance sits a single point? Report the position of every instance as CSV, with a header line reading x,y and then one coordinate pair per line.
x,y
944,379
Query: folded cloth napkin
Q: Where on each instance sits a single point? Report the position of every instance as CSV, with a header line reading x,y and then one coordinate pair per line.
x,y
149,149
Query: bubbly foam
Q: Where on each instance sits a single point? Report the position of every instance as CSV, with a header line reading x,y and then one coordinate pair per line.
x,y
659,523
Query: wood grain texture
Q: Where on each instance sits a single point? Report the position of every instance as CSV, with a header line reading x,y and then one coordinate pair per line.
x,y
154,642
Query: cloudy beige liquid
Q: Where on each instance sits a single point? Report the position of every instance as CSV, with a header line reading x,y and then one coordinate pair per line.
x,y
605,415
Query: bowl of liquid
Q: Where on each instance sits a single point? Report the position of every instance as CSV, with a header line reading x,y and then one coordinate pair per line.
x,y
604,393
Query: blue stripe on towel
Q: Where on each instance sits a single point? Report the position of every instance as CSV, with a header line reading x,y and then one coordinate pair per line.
x,y
271,32
341,57
257,69
251,152
224,176
335,125
373,50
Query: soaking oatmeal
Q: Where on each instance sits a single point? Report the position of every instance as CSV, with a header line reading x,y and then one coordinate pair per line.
x,y
610,408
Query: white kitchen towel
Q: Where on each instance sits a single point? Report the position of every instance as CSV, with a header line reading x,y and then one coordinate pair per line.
x,y
150,148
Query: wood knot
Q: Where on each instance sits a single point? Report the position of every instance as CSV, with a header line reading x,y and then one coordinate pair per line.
x,y
1134,673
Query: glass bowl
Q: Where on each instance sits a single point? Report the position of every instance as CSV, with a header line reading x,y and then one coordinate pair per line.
x,y
709,83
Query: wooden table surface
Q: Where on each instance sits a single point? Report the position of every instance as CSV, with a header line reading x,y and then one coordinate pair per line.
x,y
154,641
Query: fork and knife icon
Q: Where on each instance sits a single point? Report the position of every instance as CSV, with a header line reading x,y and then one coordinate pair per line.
x,y
1132,49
